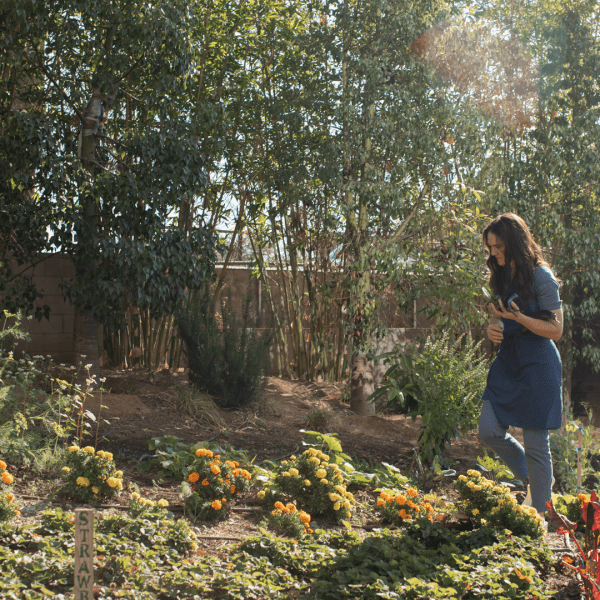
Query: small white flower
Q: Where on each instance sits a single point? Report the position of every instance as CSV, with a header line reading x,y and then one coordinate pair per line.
x,y
87,367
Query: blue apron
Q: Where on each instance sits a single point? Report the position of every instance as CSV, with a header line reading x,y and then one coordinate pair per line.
x,y
524,385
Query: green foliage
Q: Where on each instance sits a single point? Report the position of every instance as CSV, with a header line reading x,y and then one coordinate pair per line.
x,y
227,360
39,412
312,483
211,484
491,504
494,467
287,520
442,382
91,476
567,443
570,506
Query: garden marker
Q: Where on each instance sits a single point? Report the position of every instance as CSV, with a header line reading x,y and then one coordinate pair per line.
x,y
84,554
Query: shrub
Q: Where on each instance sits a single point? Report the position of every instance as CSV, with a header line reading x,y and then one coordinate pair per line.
x,y
488,503
313,483
289,521
7,506
212,483
91,476
442,382
226,360
398,508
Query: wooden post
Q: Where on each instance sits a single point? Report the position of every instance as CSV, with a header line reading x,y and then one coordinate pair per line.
x,y
84,554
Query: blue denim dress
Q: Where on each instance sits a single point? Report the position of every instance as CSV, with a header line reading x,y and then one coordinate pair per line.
x,y
524,385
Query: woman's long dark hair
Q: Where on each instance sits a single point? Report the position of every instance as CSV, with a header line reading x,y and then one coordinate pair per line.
x,y
520,247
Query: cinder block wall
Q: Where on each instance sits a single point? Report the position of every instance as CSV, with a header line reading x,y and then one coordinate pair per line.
x,y
53,336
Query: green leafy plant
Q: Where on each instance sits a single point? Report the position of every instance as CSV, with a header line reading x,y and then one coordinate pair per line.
x,y
570,506
288,520
212,484
565,443
227,360
7,500
441,382
488,503
494,467
91,476
316,485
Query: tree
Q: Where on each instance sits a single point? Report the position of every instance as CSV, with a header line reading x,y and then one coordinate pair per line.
x,y
101,152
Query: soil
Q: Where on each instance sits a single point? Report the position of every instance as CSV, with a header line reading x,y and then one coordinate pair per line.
x,y
137,406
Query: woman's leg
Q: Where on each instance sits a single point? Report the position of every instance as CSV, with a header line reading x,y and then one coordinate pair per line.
x,y
539,463
496,436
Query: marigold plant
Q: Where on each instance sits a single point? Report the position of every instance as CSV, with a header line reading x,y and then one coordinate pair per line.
x,y
489,503
212,483
400,507
8,508
313,483
91,476
287,520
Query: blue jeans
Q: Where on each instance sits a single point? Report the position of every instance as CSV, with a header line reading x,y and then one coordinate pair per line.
x,y
533,461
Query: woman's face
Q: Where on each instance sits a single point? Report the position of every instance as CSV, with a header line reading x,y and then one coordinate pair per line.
x,y
496,248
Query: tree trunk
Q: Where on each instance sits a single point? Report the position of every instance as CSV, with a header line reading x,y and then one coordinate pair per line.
x,y
361,386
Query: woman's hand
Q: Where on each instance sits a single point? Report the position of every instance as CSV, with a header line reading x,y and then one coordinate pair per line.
x,y
504,313
495,334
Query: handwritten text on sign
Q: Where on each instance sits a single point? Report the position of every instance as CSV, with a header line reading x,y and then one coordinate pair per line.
x,y
84,554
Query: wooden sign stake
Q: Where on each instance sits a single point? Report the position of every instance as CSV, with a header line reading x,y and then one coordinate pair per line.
x,y
84,554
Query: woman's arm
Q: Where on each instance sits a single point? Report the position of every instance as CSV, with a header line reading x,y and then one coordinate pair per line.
x,y
548,329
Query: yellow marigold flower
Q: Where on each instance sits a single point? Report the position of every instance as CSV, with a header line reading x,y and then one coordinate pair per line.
x,y
324,456
473,473
163,503
346,505
278,505
215,469
334,497
66,469
340,489
314,460
112,482
476,488
73,448
108,455
100,454
531,511
294,472
285,474
89,450
2,465
321,473
194,546
412,492
292,457
337,506
193,477
310,451
339,478
497,490
119,484
307,483
475,512
150,503
95,490
135,496
119,474
324,482
216,505
261,494
83,481
462,478
17,512
205,481
400,499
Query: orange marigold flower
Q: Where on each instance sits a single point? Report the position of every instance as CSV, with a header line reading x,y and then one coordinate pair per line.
x,y
403,514
216,505
216,470
205,482
411,504
2,465
291,507
204,452
400,500
193,477
232,489
380,502
279,505
412,492
7,477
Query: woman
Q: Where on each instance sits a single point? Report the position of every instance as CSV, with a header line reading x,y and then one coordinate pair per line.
x,y
524,386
